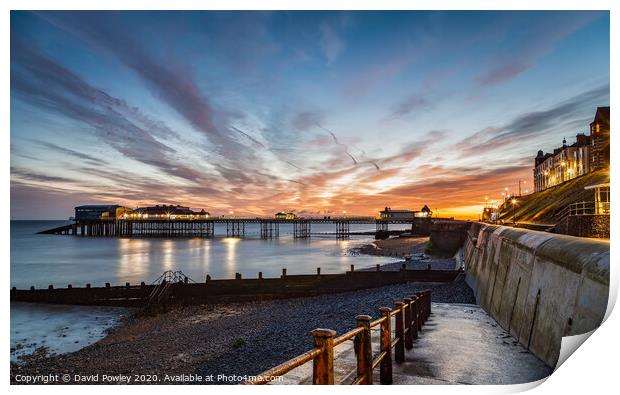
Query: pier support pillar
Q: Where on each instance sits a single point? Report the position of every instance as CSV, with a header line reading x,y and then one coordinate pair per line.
x,y
301,229
269,229
342,229
235,229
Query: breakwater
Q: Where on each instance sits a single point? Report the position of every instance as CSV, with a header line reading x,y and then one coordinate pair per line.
x,y
233,290
538,286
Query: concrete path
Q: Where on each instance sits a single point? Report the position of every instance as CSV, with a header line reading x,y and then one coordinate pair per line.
x,y
459,344
462,344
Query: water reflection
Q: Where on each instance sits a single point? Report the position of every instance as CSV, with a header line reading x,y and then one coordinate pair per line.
x,y
40,260
134,259
345,259
200,254
231,244
167,247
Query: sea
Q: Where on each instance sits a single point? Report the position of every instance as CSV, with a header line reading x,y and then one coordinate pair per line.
x,y
42,260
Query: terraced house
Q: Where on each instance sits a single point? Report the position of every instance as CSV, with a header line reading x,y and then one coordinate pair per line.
x,y
586,154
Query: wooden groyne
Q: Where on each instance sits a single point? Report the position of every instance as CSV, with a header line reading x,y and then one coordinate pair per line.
x,y
237,290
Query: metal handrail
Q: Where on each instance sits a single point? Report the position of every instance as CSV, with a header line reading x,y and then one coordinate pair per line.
x,y
578,208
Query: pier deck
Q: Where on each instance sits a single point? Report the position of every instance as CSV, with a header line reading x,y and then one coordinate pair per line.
x,y
235,227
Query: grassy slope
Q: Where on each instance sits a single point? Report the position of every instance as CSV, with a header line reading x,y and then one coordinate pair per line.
x,y
541,207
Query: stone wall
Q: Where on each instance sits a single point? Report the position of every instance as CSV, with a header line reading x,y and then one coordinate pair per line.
x,y
584,226
447,237
538,286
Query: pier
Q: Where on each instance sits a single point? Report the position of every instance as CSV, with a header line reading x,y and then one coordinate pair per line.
x,y
235,227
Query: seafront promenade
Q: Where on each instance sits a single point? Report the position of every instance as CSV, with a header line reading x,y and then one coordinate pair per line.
x,y
458,344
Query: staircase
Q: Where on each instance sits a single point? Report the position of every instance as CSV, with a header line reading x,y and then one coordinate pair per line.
x,y
164,286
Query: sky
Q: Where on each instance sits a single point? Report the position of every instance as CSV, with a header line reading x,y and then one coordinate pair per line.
x,y
312,112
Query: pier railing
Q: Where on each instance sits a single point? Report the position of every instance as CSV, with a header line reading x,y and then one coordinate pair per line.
x,y
409,315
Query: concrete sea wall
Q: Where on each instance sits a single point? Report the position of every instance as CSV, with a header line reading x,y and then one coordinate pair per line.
x,y
447,237
538,286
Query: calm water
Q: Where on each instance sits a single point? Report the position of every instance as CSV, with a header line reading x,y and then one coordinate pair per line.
x,y
41,260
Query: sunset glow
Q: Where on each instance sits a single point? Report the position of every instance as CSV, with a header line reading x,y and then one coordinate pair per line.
x,y
253,113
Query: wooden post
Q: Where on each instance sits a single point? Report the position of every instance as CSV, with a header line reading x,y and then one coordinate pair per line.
x,y
318,271
363,349
415,316
385,376
352,268
260,275
399,349
426,297
420,304
323,364
429,302
408,326
283,273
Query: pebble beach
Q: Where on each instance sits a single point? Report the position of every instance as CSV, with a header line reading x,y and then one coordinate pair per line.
x,y
234,338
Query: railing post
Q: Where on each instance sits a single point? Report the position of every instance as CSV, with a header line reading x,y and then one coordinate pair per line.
x,y
408,326
421,307
426,297
399,349
363,349
386,346
416,315
323,364
429,302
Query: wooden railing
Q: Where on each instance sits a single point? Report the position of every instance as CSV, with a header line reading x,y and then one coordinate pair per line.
x,y
409,315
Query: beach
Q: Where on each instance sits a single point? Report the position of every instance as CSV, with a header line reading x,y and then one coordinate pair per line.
x,y
236,338
412,252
